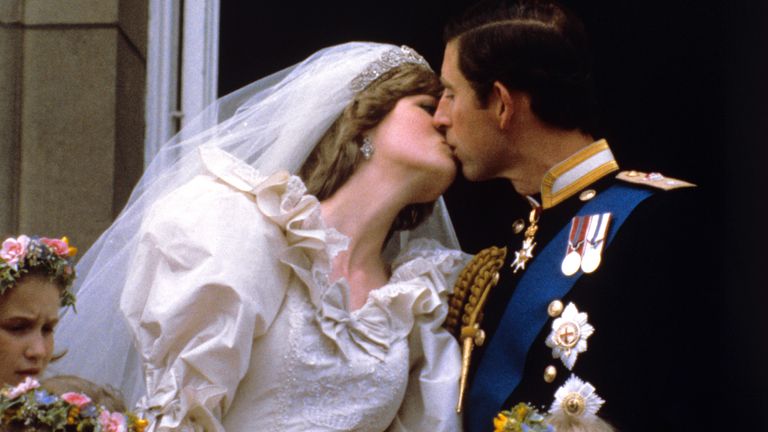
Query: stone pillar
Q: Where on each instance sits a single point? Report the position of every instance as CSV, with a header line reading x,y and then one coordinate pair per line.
x,y
131,91
10,72
72,90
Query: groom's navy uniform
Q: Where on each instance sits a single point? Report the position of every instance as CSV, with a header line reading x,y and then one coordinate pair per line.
x,y
648,342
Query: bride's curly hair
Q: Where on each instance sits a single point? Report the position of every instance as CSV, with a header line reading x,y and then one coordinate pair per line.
x,y
337,155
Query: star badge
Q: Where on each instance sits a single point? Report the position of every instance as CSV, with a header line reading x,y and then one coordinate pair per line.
x,y
569,334
576,398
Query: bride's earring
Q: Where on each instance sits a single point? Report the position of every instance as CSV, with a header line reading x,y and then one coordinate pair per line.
x,y
367,148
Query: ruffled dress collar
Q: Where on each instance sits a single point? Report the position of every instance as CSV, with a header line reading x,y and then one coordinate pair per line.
x,y
418,284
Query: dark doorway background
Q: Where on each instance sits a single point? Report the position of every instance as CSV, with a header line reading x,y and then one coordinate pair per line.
x,y
682,91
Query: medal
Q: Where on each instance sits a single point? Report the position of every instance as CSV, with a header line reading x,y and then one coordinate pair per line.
x,y
572,261
523,255
591,261
526,251
569,334
575,399
593,246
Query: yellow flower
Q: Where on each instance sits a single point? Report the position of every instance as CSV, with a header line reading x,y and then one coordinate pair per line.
x,y
72,251
521,410
72,415
141,424
499,423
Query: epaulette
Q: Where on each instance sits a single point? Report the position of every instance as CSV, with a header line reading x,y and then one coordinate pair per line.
x,y
465,310
653,179
472,286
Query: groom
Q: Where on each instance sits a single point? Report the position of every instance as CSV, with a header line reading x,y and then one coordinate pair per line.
x,y
600,314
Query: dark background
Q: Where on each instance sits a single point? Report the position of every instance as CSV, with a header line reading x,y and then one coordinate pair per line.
x,y
682,91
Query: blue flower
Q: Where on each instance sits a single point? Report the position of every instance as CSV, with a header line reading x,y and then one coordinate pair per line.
x,y
45,398
89,410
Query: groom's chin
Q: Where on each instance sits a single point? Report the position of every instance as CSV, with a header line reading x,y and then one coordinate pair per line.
x,y
472,173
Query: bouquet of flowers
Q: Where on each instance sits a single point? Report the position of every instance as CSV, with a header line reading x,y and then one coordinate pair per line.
x,y
521,418
27,406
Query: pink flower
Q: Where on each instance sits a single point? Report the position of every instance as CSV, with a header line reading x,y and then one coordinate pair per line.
x,y
76,399
112,422
14,250
28,384
60,247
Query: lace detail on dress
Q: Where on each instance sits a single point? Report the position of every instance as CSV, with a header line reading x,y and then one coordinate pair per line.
x,y
295,189
358,393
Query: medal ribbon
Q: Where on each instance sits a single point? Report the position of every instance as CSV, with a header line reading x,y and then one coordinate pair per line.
x,y
577,235
598,226
574,249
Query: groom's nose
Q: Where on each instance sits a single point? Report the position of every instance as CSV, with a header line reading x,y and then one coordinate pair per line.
x,y
441,120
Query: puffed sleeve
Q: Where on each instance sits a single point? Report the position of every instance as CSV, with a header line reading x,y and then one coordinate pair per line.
x,y
205,281
435,358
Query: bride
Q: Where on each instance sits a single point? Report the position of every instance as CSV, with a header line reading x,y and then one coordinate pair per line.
x,y
264,267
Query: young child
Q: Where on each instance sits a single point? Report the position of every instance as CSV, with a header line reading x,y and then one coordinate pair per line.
x,y
36,274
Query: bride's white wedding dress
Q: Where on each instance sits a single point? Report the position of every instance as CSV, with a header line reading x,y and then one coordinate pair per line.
x,y
216,273
240,329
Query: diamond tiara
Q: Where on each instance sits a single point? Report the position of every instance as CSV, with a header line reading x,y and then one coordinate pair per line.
x,y
390,59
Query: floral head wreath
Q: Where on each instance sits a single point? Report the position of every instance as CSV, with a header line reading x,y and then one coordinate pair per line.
x,y
54,257
28,406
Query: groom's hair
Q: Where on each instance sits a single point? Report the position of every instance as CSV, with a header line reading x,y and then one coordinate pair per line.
x,y
535,46
336,156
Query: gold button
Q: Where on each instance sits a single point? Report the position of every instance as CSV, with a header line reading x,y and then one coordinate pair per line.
x,y
518,226
587,195
479,337
550,373
555,308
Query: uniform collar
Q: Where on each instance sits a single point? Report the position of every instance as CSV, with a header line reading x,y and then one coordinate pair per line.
x,y
580,170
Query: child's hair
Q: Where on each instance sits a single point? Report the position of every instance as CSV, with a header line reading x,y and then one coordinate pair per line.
x,y
38,256
107,396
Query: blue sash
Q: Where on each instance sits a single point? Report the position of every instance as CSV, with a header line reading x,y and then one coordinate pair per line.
x,y
501,368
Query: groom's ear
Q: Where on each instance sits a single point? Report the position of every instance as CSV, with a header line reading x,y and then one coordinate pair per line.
x,y
503,104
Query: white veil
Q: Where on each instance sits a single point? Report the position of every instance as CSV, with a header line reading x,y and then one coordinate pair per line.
x,y
273,123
